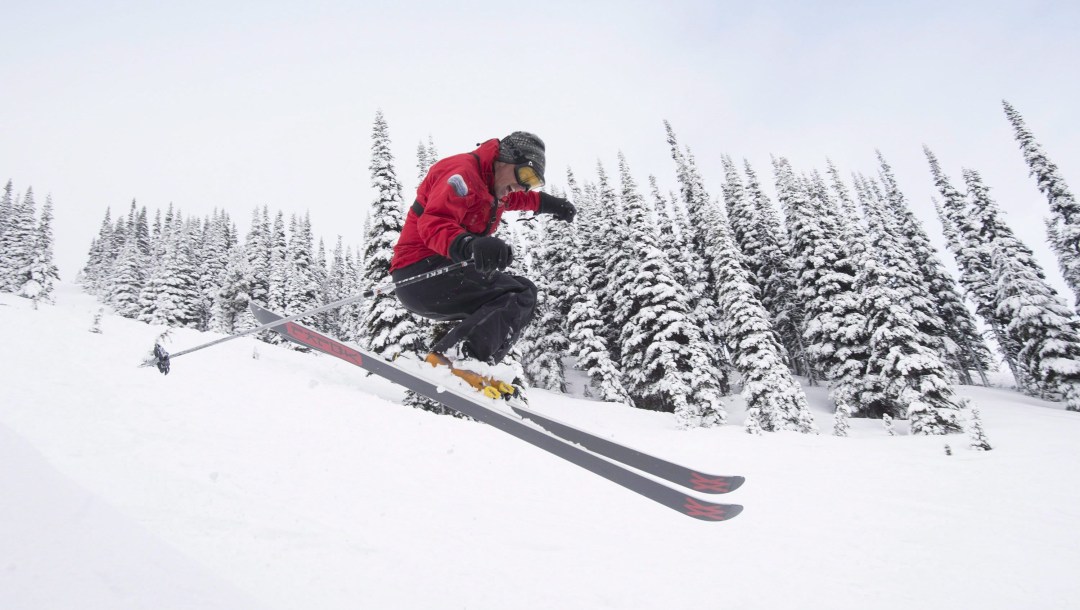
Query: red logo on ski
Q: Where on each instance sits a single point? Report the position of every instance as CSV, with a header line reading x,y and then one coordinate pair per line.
x,y
711,512
323,344
716,485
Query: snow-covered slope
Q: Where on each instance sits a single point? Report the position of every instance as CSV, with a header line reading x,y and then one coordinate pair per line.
x,y
294,481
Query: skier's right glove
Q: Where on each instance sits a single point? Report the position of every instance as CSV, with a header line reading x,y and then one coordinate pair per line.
x,y
488,253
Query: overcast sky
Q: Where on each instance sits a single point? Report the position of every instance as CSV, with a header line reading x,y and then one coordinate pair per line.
x,y
242,104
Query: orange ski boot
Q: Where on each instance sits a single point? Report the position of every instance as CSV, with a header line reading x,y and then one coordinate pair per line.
x,y
492,388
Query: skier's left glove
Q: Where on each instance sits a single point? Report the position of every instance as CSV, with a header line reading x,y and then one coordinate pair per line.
x,y
557,207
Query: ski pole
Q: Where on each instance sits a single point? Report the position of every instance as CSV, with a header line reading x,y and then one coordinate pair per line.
x,y
162,359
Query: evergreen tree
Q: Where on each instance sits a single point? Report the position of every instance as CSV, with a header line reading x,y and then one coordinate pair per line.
x,y
979,440
841,425
97,260
278,271
694,199
334,289
7,208
673,238
43,274
774,400
757,233
257,249
301,277
235,293
943,315
17,245
353,313
387,328
545,342
825,274
905,373
1046,329
991,239
588,343
128,277
664,359
171,293
608,258
215,245
970,229
426,156
1064,225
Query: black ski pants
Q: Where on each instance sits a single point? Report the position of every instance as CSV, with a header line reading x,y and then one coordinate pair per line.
x,y
491,310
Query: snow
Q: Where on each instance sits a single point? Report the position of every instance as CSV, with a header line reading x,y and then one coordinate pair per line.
x,y
295,481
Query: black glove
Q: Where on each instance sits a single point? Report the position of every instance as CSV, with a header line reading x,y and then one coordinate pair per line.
x,y
557,207
488,253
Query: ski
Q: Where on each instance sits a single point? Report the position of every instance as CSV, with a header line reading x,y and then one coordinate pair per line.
x,y
475,407
674,473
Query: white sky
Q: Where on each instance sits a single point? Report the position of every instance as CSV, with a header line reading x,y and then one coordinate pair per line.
x,y
269,102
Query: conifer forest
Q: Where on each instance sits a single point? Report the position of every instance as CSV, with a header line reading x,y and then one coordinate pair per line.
x,y
668,301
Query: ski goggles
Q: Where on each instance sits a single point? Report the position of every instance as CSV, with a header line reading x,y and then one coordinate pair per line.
x,y
528,177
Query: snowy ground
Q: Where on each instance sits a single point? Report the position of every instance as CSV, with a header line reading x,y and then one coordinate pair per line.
x,y
292,481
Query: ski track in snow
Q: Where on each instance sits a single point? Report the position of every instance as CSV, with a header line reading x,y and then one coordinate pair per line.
x,y
295,481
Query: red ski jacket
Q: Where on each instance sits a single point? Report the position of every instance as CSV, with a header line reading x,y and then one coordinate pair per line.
x,y
446,215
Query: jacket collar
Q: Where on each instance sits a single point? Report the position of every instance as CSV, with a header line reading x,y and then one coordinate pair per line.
x,y
486,155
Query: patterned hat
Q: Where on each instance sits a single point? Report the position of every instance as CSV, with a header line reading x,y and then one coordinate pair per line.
x,y
522,147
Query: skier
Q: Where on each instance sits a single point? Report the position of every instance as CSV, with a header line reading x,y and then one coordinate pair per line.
x,y
449,223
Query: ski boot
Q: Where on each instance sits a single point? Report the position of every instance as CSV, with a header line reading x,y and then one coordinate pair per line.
x,y
488,386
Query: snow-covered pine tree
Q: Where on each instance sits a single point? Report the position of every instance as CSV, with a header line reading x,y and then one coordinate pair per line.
x,y
544,343
672,238
278,271
17,244
945,317
352,314
170,295
1047,330
7,213
90,276
127,279
426,156
703,290
774,400
95,324
665,361
887,422
825,274
841,423
588,342
7,206
235,293
990,237
387,328
44,274
608,256
1063,227
215,243
334,289
979,440
143,241
756,230
258,252
972,228
302,279
905,374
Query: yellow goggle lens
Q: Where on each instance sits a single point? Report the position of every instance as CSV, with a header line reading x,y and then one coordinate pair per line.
x,y
527,177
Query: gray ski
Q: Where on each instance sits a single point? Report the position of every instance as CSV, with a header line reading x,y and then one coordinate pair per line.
x,y
675,473
474,407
